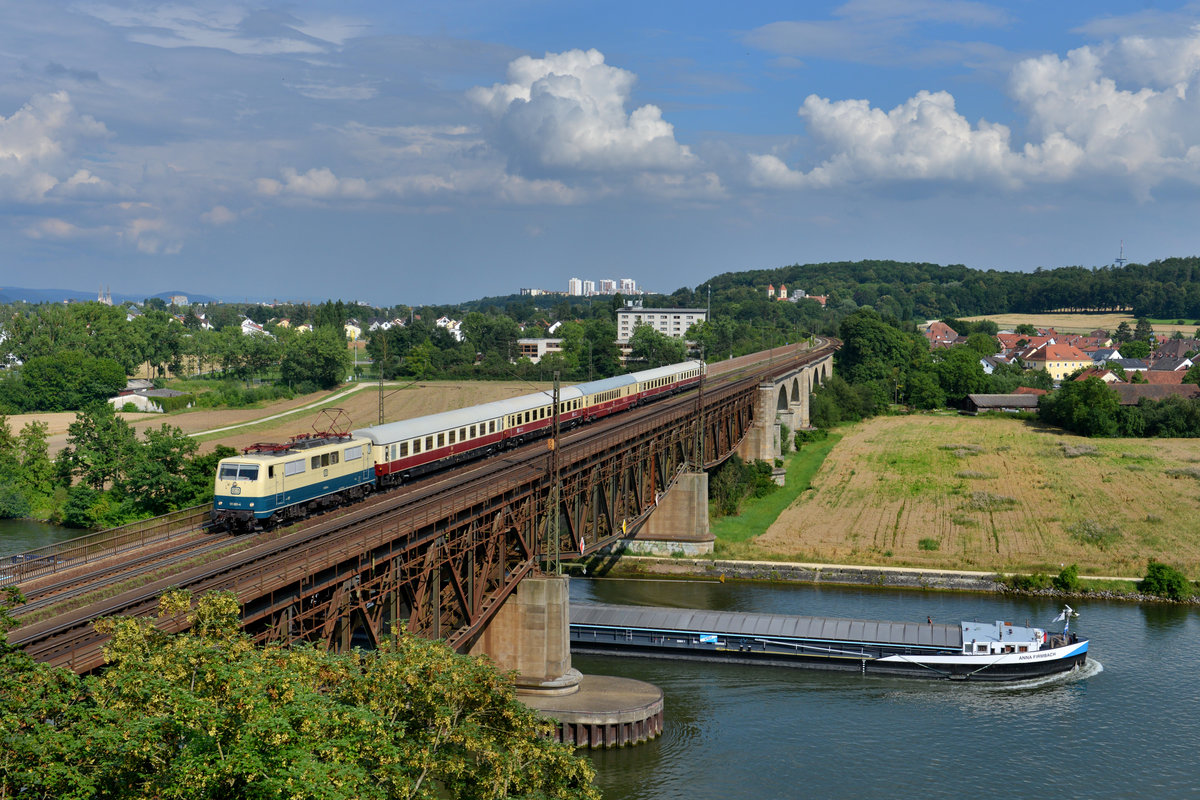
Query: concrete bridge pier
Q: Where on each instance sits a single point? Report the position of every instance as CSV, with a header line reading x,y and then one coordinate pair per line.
x,y
679,523
530,635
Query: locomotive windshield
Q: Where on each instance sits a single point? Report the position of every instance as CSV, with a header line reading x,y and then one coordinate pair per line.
x,y
239,472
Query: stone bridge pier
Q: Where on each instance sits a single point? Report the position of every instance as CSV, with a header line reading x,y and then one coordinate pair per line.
x,y
784,400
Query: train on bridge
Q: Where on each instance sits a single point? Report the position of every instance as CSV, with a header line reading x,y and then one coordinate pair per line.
x,y
277,483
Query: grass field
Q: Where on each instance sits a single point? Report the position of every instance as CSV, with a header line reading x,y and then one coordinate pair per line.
x,y
1084,323
995,494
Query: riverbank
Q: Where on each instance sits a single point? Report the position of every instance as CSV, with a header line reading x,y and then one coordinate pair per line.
x,y
720,570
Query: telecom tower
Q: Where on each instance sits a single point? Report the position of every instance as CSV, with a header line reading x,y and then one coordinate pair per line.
x,y
1120,262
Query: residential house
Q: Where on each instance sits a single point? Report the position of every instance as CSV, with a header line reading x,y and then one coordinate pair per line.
x,y
452,326
1171,365
252,328
1130,364
1103,356
1060,360
353,330
1106,375
939,335
1177,348
536,349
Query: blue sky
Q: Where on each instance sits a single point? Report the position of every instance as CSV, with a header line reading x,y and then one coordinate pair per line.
x,y
399,152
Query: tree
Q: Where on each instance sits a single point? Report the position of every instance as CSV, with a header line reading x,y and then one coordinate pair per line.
x,y
320,358
654,348
97,443
1144,332
1123,334
1137,348
37,471
1025,329
154,475
959,373
1086,407
207,714
69,380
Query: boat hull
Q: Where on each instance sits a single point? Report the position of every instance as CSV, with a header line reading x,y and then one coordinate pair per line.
x,y
1004,667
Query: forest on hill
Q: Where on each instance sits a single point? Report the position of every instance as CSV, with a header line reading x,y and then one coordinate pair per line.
x,y
1169,288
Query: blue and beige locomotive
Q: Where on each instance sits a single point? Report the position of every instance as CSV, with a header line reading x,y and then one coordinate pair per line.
x,y
271,484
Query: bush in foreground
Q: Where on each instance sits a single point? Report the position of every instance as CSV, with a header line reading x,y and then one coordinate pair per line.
x,y
206,714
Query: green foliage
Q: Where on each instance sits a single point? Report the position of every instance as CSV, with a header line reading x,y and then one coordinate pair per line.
x,y
97,442
154,473
1087,407
735,481
13,502
785,440
320,357
1136,348
1165,581
1028,583
929,543
652,349
207,714
64,381
1068,580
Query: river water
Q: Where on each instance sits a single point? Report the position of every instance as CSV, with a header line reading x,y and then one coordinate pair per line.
x,y
19,535
1126,726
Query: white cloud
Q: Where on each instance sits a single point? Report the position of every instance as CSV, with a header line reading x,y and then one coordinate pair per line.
x,y
52,228
567,110
879,31
222,27
1081,122
218,215
37,143
331,91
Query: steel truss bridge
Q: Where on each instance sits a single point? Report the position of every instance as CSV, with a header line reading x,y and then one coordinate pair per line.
x,y
439,557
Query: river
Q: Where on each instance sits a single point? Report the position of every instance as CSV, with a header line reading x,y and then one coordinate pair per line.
x,y
1126,726
19,535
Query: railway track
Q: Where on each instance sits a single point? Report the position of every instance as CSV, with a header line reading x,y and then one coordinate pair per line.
x,y
61,638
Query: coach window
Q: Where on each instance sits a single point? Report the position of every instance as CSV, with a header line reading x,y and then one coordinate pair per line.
x,y
462,434
492,426
416,446
316,462
451,437
441,440
472,431
428,443
403,449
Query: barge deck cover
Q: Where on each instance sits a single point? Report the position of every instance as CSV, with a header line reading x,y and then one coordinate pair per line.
x,y
772,626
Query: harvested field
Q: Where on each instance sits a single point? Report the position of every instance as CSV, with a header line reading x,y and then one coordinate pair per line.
x,y
1084,323
401,401
988,493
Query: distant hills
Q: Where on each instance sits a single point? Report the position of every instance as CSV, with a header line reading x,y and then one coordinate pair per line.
x,y
13,294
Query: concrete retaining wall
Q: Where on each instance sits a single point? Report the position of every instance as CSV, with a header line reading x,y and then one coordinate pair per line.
x,y
902,578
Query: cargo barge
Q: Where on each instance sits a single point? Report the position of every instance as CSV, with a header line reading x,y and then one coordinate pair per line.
x,y
977,651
